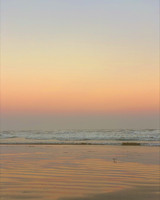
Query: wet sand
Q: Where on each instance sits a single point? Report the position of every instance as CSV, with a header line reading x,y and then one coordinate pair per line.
x,y
63,172
139,193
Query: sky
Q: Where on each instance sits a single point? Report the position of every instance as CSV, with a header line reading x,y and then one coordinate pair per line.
x,y
79,64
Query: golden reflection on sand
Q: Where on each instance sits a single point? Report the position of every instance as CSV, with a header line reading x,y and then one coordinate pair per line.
x,y
52,172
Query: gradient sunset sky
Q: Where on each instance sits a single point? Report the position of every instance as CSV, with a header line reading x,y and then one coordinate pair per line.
x,y
79,64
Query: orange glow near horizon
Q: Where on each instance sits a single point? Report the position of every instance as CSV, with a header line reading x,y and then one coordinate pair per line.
x,y
70,94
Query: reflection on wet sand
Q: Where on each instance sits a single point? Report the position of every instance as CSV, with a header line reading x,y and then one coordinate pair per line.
x,y
66,171
137,193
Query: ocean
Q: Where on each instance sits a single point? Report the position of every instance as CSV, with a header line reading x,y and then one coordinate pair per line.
x,y
147,137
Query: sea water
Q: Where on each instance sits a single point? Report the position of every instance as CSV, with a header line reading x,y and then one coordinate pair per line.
x,y
148,137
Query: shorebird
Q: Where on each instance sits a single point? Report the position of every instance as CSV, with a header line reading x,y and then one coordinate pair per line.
x,y
115,160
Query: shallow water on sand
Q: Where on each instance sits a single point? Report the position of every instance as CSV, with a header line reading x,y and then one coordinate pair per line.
x,y
61,171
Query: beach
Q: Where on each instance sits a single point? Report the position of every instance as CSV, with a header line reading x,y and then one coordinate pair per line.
x,y
79,100
68,172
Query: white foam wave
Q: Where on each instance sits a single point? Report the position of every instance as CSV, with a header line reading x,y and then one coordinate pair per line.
x,y
85,136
